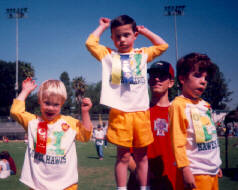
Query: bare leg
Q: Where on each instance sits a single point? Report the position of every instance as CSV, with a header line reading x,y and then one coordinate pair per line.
x,y
121,166
141,159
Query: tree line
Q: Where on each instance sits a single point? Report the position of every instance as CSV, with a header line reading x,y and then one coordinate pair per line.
x,y
217,92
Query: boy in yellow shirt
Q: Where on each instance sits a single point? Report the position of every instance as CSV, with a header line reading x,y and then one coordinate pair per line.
x,y
194,137
125,90
50,158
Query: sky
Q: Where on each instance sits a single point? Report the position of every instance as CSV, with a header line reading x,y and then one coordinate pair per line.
x,y
52,36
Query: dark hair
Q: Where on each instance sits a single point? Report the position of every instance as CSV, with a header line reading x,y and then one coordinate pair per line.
x,y
4,155
190,62
123,20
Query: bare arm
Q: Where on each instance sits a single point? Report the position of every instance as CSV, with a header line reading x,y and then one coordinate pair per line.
x,y
104,23
154,38
189,181
85,107
28,85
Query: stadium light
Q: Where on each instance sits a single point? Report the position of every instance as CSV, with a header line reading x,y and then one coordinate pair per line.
x,y
175,11
16,13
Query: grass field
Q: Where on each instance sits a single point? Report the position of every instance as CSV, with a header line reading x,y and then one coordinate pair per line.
x,y
99,175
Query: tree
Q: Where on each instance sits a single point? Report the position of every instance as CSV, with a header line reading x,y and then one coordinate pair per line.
x,y
217,92
66,109
8,80
93,92
173,92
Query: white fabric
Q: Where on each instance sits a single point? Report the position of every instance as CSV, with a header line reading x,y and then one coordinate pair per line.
x,y
57,169
99,135
4,169
204,158
126,97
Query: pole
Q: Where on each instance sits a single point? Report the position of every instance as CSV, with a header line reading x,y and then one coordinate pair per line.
x,y
16,85
16,13
176,38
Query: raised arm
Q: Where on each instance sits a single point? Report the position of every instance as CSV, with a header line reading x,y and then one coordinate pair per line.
x,y
104,23
28,85
18,111
154,38
85,107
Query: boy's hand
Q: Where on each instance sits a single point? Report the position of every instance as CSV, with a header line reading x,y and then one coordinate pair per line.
x,y
104,22
220,174
86,104
189,181
142,30
28,85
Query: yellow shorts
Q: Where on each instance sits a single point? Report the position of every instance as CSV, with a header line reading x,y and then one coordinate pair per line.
x,y
206,182
129,129
71,187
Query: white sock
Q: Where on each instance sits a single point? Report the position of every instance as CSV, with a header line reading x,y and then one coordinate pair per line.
x,y
144,187
121,188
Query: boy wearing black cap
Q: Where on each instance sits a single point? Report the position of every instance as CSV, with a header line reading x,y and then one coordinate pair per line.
x,y
162,168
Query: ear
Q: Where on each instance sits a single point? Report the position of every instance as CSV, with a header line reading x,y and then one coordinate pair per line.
x,y
171,83
136,34
181,79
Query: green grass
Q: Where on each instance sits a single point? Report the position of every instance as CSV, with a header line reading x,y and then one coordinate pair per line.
x,y
99,175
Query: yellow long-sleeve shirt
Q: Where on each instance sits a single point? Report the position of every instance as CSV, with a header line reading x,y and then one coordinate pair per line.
x,y
58,167
194,136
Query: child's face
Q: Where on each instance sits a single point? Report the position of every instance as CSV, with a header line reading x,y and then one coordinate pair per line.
x,y
194,85
50,107
124,37
160,83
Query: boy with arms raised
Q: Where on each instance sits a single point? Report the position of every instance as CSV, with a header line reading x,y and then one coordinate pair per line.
x,y
50,159
193,131
124,89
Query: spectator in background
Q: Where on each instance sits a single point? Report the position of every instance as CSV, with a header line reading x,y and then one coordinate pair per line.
x,y
105,132
5,171
5,139
6,155
99,138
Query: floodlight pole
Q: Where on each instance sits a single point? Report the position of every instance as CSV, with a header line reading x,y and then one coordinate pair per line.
x,y
16,13
175,11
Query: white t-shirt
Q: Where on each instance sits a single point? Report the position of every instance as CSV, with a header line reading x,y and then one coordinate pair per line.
x,y
4,169
124,75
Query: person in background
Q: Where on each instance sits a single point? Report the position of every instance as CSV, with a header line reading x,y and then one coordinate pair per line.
x,y
99,141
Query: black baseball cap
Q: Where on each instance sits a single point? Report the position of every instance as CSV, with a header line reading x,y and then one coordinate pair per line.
x,y
161,66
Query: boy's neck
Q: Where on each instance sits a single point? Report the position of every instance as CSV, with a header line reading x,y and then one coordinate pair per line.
x,y
161,100
190,98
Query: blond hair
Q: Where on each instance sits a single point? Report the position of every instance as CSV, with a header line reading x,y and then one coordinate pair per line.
x,y
52,88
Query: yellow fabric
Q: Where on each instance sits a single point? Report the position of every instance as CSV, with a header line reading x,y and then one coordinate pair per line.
x,y
100,51
199,133
116,69
206,182
23,117
19,114
72,187
129,129
178,125
154,51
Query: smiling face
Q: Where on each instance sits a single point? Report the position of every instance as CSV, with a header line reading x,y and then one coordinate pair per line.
x,y
50,107
194,84
124,37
